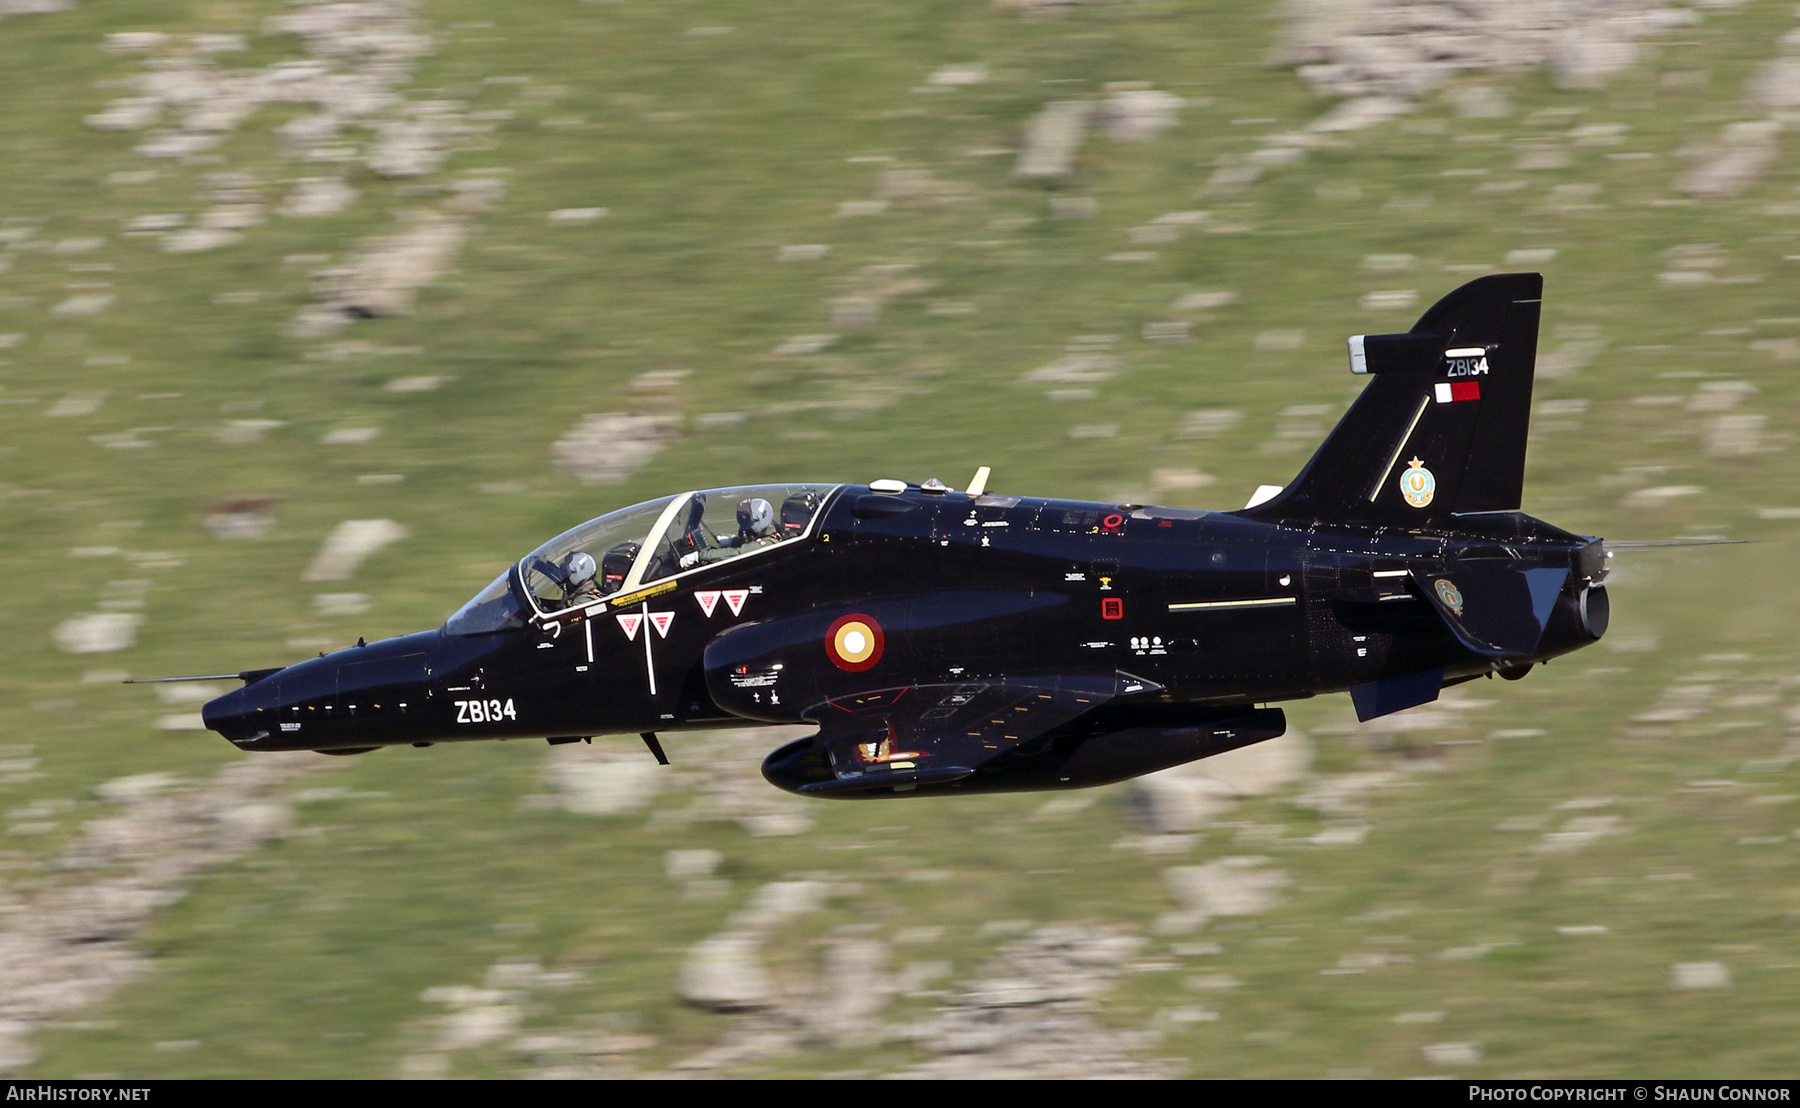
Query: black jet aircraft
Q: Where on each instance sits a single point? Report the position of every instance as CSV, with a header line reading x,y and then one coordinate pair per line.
x,y
946,641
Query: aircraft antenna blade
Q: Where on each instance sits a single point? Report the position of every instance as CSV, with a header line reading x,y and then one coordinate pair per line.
x,y
650,741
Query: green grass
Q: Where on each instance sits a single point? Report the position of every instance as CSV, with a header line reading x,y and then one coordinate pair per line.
x,y
711,152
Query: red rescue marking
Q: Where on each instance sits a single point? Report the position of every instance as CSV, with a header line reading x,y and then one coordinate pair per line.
x,y
1112,607
1113,521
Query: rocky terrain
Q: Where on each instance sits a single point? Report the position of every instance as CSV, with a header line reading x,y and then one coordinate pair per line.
x,y
314,315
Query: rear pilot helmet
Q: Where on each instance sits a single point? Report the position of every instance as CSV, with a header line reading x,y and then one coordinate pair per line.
x,y
756,516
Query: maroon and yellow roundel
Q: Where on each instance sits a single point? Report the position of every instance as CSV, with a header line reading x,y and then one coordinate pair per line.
x,y
854,642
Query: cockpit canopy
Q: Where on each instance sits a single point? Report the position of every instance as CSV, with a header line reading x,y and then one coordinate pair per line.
x,y
641,544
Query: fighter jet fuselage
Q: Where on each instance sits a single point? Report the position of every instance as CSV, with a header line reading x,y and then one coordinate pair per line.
x,y
943,641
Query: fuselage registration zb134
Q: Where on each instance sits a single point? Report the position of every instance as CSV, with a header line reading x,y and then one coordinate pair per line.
x,y
946,641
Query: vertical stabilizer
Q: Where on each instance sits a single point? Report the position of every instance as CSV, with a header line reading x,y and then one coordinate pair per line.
x,y
1440,428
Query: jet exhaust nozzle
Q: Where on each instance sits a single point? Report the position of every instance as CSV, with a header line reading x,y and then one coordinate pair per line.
x,y
1595,610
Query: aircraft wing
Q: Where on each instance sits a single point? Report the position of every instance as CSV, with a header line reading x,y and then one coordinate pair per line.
x,y
935,734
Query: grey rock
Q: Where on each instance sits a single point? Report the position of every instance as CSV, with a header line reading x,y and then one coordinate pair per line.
x,y
1735,436
725,972
687,865
1189,797
1777,83
33,7
67,946
131,113
1028,1013
1725,168
1136,113
1052,139
857,988
609,447
97,632
1261,768
1699,975
592,783
348,544
1228,887
358,55
1580,58
1175,801
194,240
1404,49
383,277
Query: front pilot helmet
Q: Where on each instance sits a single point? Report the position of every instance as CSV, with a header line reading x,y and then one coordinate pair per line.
x,y
579,568
756,516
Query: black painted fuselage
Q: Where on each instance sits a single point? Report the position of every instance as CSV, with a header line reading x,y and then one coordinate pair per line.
x,y
1211,612
947,641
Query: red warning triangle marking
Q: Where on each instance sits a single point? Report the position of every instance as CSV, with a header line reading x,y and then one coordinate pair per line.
x,y
735,598
709,599
662,620
630,622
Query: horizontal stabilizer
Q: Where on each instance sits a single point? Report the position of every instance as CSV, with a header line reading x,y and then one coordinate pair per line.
x,y
1396,694
1494,608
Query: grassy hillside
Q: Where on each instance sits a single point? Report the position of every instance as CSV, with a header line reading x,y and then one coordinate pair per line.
x,y
1455,932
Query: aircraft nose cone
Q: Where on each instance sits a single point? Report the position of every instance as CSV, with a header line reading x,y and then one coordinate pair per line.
x,y
226,714
239,714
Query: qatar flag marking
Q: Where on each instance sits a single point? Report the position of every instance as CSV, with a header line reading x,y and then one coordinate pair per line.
x,y
709,599
734,598
661,621
630,622
1450,392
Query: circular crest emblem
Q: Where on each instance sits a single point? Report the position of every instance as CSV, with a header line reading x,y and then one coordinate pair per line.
x,y
854,642
1417,484
1450,595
